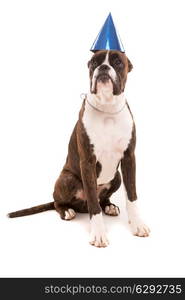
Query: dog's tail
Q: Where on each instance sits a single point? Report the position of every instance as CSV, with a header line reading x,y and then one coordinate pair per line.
x,y
32,210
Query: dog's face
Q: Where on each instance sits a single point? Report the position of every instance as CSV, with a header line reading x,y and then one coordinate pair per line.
x,y
108,70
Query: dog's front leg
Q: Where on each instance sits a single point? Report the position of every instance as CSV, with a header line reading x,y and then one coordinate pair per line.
x,y
128,167
88,173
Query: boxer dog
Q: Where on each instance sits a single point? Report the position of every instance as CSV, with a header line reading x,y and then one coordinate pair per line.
x,y
103,139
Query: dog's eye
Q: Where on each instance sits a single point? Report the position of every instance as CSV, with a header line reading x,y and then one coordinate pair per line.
x,y
117,62
94,63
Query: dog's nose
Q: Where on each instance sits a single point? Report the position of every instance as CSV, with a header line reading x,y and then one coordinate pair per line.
x,y
104,68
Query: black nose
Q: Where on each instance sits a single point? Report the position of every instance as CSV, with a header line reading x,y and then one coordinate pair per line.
x,y
104,68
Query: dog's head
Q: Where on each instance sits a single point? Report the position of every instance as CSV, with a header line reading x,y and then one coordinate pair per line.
x,y
108,71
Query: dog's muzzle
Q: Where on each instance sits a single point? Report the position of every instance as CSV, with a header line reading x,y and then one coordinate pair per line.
x,y
104,78
103,75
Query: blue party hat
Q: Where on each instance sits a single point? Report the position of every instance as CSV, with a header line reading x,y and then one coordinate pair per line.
x,y
108,38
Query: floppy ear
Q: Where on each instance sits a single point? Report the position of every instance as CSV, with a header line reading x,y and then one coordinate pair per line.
x,y
88,64
130,66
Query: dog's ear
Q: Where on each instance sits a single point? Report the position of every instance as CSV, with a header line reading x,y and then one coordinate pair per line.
x,y
130,66
88,64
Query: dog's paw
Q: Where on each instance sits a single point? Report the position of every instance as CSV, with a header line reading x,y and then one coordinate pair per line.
x,y
138,227
98,239
112,210
69,214
98,236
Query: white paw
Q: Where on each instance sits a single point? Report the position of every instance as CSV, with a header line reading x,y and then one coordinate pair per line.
x,y
98,236
138,227
111,210
69,214
98,239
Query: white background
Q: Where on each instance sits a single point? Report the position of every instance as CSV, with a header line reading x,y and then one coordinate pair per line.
x,y
44,49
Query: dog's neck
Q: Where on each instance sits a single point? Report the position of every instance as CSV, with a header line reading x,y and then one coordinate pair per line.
x,y
107,103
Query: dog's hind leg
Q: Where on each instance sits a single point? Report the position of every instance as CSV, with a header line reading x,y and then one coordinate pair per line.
x,y
65,190
104,196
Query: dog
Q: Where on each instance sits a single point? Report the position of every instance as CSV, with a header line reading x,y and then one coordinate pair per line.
x,y
103,139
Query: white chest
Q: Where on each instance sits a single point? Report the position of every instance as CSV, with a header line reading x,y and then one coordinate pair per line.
x,y
110,136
